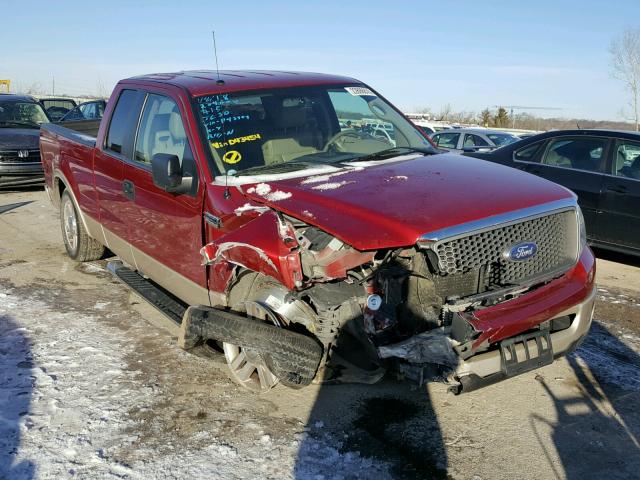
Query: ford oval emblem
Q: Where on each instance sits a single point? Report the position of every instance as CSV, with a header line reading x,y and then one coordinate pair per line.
x,y
521,252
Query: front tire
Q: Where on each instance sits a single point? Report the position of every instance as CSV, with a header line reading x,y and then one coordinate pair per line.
x,y
79,245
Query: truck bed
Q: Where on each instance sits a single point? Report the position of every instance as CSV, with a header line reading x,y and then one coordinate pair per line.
x,y
82,129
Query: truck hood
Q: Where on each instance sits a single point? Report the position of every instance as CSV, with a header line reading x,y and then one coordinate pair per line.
x,y
393,203
19,138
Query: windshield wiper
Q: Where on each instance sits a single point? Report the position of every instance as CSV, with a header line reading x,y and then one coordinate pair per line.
x,y
388,153
15,122
274,168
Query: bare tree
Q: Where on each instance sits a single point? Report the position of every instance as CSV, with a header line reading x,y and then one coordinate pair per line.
x,y
445,112
625,65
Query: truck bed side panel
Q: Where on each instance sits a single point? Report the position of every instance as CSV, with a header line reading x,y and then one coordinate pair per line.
x,y
69,154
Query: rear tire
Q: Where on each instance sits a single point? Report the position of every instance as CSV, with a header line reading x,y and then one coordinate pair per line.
x,y
79,245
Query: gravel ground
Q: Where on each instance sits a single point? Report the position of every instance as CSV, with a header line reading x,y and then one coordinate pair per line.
x,y
92,385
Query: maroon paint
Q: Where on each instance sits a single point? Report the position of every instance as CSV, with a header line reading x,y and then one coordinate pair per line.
x,y
378,208
520,314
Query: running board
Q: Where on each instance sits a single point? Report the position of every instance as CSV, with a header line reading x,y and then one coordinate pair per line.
x,y
159,298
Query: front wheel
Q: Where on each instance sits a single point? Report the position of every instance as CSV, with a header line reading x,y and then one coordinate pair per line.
x,y
79,245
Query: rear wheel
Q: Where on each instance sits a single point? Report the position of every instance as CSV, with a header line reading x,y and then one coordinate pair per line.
x,y
79,245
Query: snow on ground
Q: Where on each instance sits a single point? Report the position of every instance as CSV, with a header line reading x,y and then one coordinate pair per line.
x,y
612,357
74,405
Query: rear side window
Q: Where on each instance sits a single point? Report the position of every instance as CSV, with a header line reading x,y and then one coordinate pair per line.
x,y
447,140
528,153
583,153
123,123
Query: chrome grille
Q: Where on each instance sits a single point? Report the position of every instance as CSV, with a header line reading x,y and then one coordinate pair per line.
x,y
555,235
12,156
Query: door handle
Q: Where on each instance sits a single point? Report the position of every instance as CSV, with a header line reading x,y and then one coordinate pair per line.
x,y
129,189
617,189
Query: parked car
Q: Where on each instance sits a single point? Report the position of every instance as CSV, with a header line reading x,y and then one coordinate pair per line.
x,y
57,108
93,110
241,210
20,120
471,139
602,167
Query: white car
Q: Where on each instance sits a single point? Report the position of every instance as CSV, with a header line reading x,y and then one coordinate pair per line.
x,y
472,139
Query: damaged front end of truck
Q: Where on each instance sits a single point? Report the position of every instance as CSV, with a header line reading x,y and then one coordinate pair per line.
x,y
421,311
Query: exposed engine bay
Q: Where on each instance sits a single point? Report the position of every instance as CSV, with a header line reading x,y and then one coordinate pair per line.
x,y
372,311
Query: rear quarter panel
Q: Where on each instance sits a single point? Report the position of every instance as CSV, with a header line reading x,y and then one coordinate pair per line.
x,y
69,161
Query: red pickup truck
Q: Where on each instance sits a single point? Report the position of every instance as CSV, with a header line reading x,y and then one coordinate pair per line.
x,y
302,225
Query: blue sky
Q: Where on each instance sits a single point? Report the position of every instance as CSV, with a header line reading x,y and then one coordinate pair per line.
x,y
467,53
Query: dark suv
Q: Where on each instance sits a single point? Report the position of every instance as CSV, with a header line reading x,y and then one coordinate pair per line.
x,y
20,120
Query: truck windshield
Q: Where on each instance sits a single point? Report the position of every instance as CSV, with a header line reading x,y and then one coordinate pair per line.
x,y
21,115
290,129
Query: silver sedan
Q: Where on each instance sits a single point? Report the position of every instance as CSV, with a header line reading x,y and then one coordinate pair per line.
x,y
472,139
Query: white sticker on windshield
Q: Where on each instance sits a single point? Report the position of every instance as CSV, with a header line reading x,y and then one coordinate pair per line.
x,y
360,91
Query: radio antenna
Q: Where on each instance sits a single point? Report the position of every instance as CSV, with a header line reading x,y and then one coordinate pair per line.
x,y
215,52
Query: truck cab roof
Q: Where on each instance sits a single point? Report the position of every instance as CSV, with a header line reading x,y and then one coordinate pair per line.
x,y
207,82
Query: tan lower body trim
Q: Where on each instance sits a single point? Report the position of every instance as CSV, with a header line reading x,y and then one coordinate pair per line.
x,y
183,288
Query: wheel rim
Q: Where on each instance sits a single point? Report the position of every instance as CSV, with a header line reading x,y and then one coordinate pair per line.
x,y
248,368
246,365
70,226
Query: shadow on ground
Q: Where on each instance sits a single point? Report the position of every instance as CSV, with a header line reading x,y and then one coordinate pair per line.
x,y
597,433
399,429
15,398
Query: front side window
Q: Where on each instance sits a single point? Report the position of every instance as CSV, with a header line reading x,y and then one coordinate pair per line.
x,y
576,153
161,130
291,129
22,115
89,111
627,159
471,140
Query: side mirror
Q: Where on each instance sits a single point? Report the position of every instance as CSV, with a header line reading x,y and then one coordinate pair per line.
x,y
167,174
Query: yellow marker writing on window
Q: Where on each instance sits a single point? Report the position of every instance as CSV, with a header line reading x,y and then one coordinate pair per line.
x,y
232,156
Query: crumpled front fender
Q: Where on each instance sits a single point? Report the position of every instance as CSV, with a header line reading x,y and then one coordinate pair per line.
x,y
266,245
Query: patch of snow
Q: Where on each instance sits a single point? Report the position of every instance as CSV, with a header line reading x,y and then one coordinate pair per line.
x,y
277,196
332,185
91,268
247,207
397,177
264,190
260,189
